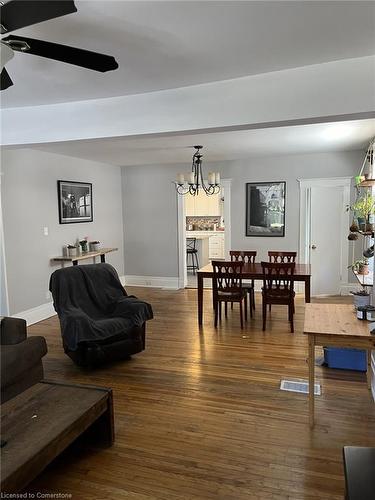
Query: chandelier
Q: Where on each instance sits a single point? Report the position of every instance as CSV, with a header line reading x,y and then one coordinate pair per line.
x,y
195,181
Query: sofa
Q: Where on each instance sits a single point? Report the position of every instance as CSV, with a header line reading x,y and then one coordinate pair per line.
x,y
21,357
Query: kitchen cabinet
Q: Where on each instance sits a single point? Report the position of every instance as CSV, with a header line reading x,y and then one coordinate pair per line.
x,y
216,246
190,205
202,205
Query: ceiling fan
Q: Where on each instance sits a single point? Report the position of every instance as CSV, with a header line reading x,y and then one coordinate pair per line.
x,y
17,14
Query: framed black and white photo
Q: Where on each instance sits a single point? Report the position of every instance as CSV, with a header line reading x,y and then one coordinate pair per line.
x,y
75,201
265,208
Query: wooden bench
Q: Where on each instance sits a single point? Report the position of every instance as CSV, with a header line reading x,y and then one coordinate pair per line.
x,y
38,424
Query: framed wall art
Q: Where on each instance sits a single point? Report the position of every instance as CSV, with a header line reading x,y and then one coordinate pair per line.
x,y
75,202
265,208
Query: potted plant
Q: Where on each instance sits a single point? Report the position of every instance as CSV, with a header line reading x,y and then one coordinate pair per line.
x,y
72,250
83,244
360,266
363,207
361,298
94,246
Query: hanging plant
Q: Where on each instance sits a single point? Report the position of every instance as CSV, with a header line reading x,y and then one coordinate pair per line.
x,y
363,207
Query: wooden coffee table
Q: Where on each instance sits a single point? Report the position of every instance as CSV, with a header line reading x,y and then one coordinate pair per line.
x,y
42,421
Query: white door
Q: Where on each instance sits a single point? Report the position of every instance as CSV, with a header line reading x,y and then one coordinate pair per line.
x,y
327,239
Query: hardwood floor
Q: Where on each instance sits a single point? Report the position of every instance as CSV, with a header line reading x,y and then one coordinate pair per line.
x,y
199,415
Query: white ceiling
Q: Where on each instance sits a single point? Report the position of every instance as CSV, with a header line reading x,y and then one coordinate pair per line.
x,y
168,44
220,146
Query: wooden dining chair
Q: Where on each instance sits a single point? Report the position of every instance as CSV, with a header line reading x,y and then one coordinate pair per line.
x,y
282,256
278,288
227,287
246,256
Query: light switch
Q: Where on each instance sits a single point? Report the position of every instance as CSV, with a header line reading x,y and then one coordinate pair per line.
x,y
45,231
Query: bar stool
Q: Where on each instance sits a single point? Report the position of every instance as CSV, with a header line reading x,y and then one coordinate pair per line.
x,y
193,252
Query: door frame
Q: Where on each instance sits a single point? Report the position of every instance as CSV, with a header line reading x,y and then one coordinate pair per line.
x,y
181,229
4,298
305,186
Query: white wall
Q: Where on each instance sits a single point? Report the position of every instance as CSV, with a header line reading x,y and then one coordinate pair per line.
x,y
150,205
337,88
29,203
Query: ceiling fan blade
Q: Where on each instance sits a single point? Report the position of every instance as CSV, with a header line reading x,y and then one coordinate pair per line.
x,y
64,53
5,80
20,13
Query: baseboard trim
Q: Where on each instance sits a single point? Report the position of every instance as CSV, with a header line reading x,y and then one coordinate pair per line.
x,y
151,281
37,314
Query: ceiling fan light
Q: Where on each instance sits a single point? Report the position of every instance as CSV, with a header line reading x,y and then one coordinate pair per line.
x,y
6,54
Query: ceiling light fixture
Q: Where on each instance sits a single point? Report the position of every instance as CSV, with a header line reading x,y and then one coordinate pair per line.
x,y
195,181
367,179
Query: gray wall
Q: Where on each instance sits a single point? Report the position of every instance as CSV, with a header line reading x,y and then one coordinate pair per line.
x,y
150,221
29,202
289,169
150,208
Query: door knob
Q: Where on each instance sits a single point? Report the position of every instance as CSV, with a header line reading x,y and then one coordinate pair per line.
x,y
313,247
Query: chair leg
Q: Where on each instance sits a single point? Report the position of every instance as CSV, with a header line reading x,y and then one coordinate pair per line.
x,y
231,305
245,303
264,314
291,317
196,258
241,315
269,307
253,296
251,304
216,308
226,309
219,305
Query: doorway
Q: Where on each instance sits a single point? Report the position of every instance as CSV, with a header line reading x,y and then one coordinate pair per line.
x,y
182,233
324,223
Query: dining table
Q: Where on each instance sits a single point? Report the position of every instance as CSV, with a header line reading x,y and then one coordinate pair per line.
x,y
252,271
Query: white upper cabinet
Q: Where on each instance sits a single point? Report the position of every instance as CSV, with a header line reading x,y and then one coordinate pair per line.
x,y
202,205
190,205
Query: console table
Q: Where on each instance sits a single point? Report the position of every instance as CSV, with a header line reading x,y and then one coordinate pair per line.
x,y
87,255
334,325
39,423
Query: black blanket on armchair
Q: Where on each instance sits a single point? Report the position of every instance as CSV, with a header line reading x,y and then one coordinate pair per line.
x,y
93,306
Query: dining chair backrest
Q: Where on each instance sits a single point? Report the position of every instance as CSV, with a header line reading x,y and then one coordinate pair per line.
x,y
242,256
191,243
277,277
227,276
282,256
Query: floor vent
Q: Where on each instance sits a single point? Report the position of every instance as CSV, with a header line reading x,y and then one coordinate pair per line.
x,y
299,386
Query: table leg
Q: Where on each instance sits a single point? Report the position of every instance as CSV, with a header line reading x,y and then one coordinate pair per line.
x,y
307,289
200,298
368,373
311,378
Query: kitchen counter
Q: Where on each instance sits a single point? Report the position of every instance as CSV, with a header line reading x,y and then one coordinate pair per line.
x,y
198,236
214,240
195,234
202,245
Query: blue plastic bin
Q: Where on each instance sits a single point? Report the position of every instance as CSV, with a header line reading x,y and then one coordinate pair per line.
x,y
346,359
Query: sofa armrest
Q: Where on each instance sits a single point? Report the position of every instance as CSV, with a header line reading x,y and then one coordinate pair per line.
x,y
12,331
